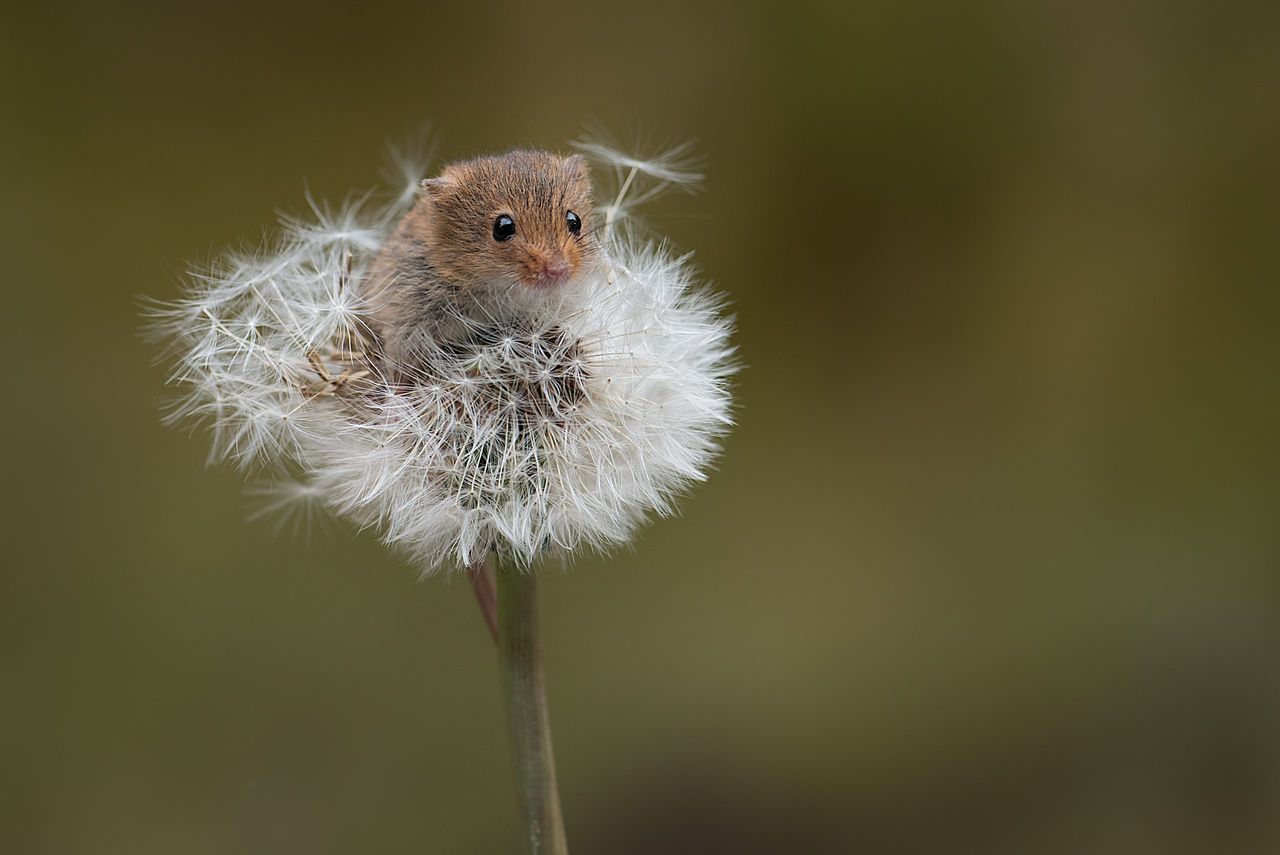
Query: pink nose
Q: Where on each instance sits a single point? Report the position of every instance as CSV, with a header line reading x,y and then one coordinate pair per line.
x,y
555,268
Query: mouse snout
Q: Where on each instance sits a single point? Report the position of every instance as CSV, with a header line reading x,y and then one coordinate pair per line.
x,y
555,267
549,269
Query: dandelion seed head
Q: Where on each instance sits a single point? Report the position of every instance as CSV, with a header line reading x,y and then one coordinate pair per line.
x,y
559,425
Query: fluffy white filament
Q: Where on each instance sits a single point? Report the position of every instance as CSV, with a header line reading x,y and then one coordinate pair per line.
x,y
561,429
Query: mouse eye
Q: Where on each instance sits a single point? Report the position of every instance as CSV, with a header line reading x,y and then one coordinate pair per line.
x,y
575,224
504,228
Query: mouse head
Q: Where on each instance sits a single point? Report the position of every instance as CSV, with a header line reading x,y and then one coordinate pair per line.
x,y
523,218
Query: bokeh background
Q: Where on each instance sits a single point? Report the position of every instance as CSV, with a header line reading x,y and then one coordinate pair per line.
x,y
990,563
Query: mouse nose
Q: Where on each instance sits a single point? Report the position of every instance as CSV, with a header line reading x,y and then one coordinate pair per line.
x,y
556,267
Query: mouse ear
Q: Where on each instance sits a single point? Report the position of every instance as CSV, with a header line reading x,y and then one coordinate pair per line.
x,y
436,186
577,165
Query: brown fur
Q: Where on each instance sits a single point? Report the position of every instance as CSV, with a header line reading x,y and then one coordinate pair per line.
x,y
442,263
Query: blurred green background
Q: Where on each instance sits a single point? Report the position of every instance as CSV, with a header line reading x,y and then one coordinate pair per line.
x,y
990,563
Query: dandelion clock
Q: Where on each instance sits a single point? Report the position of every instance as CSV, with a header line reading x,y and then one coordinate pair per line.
x,y
489,370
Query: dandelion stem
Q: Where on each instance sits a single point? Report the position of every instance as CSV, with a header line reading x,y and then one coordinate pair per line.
x,y
520,658
484,586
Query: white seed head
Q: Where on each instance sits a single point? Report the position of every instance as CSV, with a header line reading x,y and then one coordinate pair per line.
x,y
563,425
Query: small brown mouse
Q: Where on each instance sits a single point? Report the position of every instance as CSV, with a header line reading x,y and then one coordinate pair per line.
x,y
487,240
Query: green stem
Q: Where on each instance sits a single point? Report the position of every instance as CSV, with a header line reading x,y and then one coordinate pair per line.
x,y
485,589
526,700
